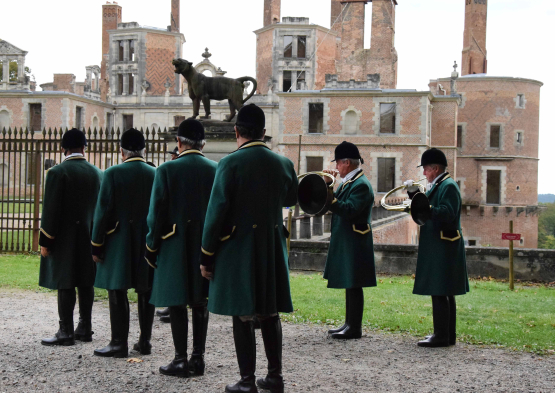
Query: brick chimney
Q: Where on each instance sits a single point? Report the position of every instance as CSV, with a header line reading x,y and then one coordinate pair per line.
x,y
474,54
383,55
350,27
272,12
174,22
111,16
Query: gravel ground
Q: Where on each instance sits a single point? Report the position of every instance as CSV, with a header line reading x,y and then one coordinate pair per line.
x,y
312,362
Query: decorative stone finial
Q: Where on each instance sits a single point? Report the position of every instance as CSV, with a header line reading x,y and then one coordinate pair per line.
x,y
455,66
206,54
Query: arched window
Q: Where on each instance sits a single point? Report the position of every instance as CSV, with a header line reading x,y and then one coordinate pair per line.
x,y
351,123
4,120
95,123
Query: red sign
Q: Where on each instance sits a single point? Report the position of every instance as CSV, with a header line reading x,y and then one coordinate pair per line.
x,y
510,236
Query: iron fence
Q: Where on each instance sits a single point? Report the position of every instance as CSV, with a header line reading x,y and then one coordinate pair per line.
x,y
25,157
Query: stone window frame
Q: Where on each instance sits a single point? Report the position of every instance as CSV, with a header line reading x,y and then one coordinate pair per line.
x,y
501,135
398,101
462,102
343,120
295,33
516,143
503,186
464,127
83,113
305,114
106,113
516,100
10,116
26,111
326,154
374,169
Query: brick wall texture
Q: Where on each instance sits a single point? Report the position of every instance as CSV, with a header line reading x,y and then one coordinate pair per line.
x,y
402,231
64,82
325,58
160,51
474,43
383,56
264,59
175,20
111,16
272,12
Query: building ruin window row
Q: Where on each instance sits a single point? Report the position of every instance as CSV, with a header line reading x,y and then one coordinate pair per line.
x,y
126,46
294,46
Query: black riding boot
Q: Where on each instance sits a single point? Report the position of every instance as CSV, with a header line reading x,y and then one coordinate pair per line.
x,y
200,328
354,321
452,321
440,310
164,312
273,339
146,318
347,310
245,347
84,327
178,322
119,321
66,304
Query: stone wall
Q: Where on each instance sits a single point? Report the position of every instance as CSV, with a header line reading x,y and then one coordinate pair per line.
x,y
529,264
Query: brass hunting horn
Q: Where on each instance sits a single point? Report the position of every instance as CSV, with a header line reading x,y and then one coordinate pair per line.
x,y
417,204
314,194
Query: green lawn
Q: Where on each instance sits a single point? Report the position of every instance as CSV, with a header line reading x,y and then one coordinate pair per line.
x,y
16,240
489,315
17,207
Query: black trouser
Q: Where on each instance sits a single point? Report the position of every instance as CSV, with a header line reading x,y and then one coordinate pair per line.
x,y
444,310
146,315
119,315
66,304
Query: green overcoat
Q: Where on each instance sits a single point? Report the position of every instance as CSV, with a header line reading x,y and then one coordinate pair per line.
x,y
176,219
69,199
350,262
244,232
441,264
119,230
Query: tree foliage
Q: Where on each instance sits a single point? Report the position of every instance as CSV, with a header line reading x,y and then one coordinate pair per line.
x,y
13,71
546,227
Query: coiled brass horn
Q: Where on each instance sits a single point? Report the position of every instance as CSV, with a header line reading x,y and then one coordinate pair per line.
x,y
314,194
417,204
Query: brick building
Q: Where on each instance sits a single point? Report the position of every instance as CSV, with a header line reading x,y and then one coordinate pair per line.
x,y
321,84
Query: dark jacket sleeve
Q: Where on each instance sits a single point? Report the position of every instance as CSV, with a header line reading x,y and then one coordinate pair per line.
x,y
291,199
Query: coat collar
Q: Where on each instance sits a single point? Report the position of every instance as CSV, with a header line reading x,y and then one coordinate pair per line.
x,y
252,143
190,151
135,159
74,158
355,177
441,179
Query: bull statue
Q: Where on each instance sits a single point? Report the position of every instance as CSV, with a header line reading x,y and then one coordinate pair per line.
x,y
206,88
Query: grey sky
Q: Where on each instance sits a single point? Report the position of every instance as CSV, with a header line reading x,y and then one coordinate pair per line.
x,y
64,36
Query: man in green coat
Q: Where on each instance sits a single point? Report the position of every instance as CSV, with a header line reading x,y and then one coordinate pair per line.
x,y
244,247
176,220
69,198
118,244
441,265
350,262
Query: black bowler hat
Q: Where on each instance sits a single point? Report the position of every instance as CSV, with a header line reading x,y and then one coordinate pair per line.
x,y
433,156
191,129
133,140
252,117
347,150
74,138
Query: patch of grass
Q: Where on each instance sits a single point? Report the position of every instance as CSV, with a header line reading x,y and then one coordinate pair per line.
x,y
489,315
18,207
21,240
22,271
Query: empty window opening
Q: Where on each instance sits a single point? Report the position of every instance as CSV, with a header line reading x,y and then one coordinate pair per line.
x,y
459,136
519,137
472,243
520,100
120,84
301,80
351,123
131,85
78,117
301,46
521,241
288,46
315,118
286,81
14,71
314,164
1,70
120,48
127,122
495,137
35,118
493,192
518,188
178,120
132,50
387,118
95,123
386,174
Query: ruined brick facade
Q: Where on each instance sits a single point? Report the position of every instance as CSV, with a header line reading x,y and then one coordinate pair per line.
x,y
383,55
175,16
272,12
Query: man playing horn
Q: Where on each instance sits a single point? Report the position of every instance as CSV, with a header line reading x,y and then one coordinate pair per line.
x,y
350,262
441,265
